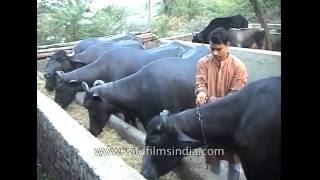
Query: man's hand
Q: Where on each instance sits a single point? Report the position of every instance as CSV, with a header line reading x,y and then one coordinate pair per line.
x,y
201,98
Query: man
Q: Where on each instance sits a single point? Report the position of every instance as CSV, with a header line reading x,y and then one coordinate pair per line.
x,y
218,75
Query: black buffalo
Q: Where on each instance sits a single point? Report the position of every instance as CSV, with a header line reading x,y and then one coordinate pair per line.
x,y
166,83
84,44
225,22
112,65
247,122
171,49
61,62
246,37
179,44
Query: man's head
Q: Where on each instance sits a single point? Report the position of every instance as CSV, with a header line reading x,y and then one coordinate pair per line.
x,y
219,43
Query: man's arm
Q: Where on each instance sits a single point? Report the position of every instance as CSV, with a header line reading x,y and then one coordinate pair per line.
x,y
201,90
240,77
201,76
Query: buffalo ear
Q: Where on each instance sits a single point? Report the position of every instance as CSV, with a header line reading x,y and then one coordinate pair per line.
x,y
61,56
59,76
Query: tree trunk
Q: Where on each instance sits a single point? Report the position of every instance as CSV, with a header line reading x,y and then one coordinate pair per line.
x,y
73,31
189,7
259,14
149,13
167,8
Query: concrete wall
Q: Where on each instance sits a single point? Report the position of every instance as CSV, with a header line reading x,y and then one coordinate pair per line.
x,y
270,26
183,37
66,149
259,63
275,38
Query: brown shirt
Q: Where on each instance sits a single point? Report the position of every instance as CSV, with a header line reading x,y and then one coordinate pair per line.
x,y
218,80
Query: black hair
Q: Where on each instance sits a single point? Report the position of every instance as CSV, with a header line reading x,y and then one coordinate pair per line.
x,y
218,36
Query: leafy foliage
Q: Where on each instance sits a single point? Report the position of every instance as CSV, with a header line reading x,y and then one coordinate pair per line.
x,y
70,20
107,21
65,21
165,25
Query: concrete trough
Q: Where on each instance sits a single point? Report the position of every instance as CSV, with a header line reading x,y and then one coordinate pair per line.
x,y
66,150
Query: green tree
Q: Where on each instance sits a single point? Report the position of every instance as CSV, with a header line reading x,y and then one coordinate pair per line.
x,y
66,20
167,6
178,8
107,21
60,20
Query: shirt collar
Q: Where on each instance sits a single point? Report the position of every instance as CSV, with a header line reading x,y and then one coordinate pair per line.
x,y
223,62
